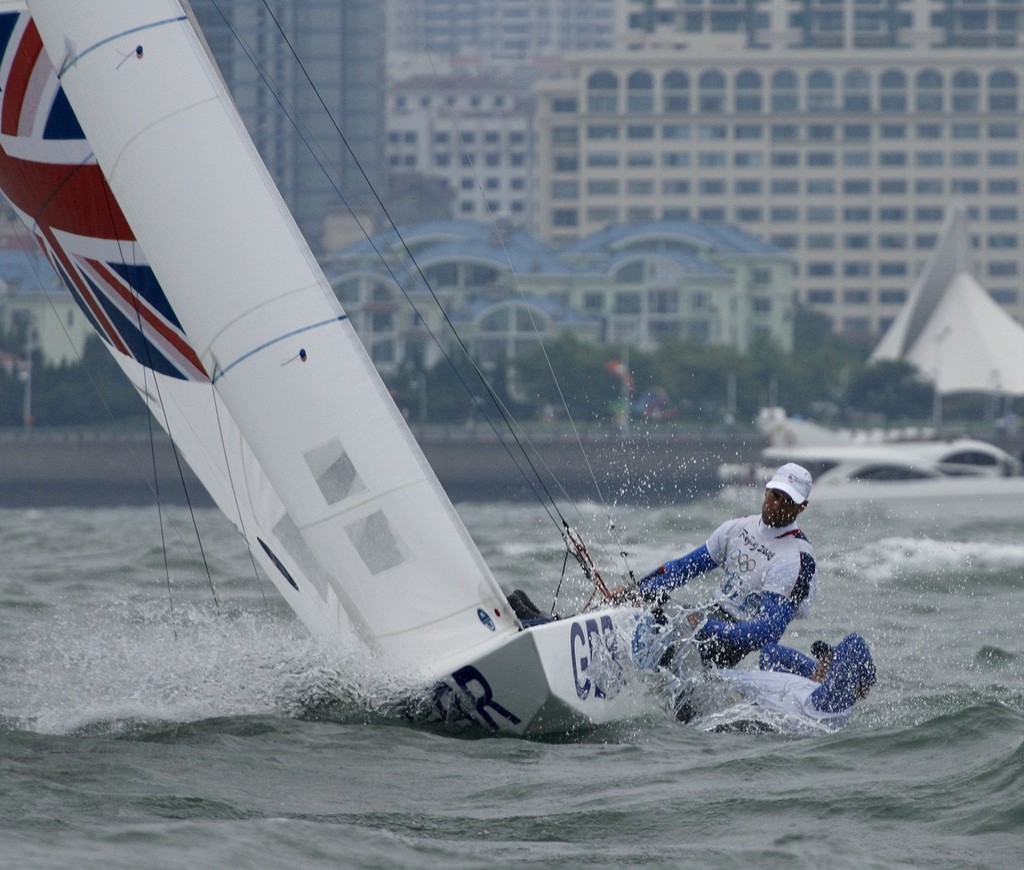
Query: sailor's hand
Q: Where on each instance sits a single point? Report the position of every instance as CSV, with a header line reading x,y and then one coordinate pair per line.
x,y
695,618
627,594
639,597
823,653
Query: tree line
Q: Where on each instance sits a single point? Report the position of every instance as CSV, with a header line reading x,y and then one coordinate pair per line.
x,y
826,377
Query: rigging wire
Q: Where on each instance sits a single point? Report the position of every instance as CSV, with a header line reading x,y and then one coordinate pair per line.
x,y
535,480
574,544
234,491
152,485
147,367
543,347
418,270
155,485
551,507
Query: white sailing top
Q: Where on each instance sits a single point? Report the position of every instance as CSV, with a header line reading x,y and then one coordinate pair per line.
x,y
757,559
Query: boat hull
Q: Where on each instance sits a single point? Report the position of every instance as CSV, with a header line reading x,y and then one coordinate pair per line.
x,y
559,677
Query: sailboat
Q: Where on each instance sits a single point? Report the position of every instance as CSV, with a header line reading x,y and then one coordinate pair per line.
x,y
123,153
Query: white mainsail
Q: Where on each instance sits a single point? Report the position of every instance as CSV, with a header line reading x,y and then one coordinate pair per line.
x,y
51,180
333,469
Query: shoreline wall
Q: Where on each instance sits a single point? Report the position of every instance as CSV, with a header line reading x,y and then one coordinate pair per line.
x,y
46,469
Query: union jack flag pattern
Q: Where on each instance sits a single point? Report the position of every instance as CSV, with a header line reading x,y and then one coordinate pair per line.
x,y
50,177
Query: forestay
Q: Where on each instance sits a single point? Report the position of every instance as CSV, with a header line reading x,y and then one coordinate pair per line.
x,y
303,410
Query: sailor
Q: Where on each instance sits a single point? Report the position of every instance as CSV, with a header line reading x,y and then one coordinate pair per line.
x,y
843,674
821,689
769,574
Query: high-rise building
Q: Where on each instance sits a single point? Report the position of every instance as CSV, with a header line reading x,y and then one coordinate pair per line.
x,y
474,134
838,130
832,24
285,61
500,29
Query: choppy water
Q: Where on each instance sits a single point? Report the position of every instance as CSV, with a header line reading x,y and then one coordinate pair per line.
x,y
143,724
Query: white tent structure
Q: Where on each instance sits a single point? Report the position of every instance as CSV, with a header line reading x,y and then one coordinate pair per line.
x,y
952,330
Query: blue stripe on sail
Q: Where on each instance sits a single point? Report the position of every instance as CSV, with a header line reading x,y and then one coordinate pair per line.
x,y
143,351
62,123
142,280
86,310
7,24
71,61
218,375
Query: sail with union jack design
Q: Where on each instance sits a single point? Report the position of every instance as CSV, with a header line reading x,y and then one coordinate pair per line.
x,y
51,179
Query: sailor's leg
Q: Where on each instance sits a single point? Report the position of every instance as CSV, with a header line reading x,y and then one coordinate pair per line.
x,y
776,657
850,675
522,605
684,706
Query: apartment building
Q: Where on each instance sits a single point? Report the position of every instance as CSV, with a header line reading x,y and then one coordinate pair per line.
x,y
840,132
472,133
500,29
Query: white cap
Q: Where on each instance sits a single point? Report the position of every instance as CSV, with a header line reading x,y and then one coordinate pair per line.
x,y
792,479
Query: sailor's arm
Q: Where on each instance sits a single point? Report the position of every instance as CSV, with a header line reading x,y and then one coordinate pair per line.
x,y
673,574
743,637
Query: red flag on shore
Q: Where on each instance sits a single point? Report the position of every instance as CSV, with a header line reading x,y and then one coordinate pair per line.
x,y
618,368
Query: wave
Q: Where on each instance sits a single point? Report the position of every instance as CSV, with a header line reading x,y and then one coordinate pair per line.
x,y
132,662
895,557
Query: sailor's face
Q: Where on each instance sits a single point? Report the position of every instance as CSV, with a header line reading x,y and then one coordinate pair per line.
x,y
778,509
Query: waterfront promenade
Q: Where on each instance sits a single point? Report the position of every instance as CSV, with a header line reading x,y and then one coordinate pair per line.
x,y
82,469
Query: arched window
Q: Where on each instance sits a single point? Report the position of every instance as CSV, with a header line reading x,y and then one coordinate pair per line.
x,y
929,91
348,291
603,92
382,293
630,273
748,91
1002,91
640,92
893,91
496,321
821,91
478,275
711,87
442,274
784,91
676,91
965,91
856,91
530,321
509,330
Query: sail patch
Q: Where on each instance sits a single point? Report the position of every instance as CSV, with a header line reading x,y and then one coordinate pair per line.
x,y
334,472
375,542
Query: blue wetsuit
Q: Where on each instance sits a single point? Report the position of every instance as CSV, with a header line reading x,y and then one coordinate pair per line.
x,y
851,671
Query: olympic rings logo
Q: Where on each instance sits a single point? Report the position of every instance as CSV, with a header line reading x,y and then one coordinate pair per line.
x,y
744,562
